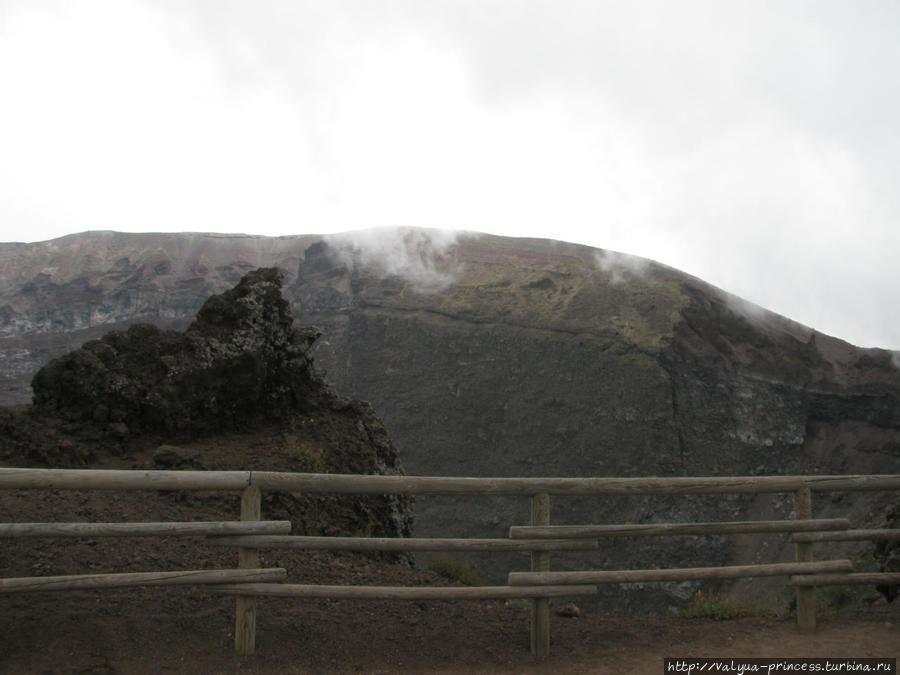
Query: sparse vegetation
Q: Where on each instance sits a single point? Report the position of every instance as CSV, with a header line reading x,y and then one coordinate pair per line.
x,y
721,607
456,570
309,458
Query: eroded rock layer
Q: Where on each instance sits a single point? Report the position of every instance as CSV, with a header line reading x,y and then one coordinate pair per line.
x,y
495,356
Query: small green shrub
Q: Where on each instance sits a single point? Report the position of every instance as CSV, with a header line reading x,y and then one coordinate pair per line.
x,y
456,570
309,458
719,607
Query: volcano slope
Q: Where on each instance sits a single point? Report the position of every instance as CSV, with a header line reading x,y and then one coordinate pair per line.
x,y
495,356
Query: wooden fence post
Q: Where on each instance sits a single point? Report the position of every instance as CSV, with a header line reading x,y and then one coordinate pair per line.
x,y
540,562
245,606
806,595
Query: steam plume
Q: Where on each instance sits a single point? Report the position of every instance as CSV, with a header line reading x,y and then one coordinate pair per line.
x,y
421,256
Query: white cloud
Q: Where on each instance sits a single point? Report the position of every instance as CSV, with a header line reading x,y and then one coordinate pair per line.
x,y
422,257
620,267
750,143
109,129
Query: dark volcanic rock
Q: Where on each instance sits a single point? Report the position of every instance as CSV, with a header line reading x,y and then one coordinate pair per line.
x,y
174,457
240,363
240,367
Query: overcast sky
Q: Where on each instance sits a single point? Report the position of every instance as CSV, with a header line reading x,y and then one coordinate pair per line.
x,y
753,144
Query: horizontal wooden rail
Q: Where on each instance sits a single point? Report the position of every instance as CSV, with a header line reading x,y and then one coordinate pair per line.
x,y
115,479
846,535
405,544
182,578
676,574
192,529
857,578
436,485
252,534
122,479
405,592
673,529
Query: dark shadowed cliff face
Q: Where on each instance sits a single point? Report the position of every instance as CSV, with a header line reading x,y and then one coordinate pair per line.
x,y
240,362
496,356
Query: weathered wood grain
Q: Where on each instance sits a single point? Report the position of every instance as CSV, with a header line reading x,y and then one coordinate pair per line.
x,y
174,529
673,529
404,592
122,479
846,535
114,479
676,574
181,578
404,544
438,485
248,558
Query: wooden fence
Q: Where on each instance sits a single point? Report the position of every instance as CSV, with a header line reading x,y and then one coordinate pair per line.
x,y
249,581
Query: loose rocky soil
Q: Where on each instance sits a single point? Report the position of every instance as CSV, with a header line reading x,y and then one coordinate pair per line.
x,y
159,630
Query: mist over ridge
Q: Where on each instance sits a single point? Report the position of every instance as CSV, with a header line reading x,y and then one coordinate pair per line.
x,y
498,356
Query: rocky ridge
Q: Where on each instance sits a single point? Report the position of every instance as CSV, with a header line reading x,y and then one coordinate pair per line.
x,y
162,397
496,356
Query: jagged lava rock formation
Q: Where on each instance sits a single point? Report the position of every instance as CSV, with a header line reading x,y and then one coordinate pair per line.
x,y
496,356
241,366
240,362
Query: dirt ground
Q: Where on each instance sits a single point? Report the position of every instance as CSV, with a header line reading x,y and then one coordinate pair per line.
x,y
166,631
191,630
